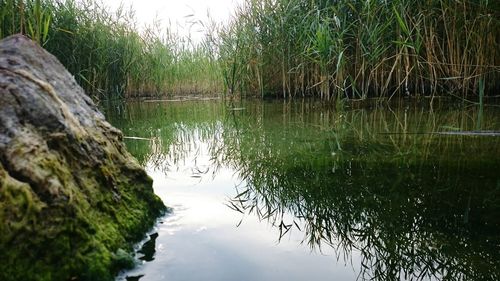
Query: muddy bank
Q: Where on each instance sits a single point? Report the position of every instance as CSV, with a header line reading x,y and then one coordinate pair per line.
x,y
72,199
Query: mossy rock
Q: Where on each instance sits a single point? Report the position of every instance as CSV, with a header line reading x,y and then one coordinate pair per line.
x,y
72,199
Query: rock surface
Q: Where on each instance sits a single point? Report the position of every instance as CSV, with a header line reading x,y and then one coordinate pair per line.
x,y
71,197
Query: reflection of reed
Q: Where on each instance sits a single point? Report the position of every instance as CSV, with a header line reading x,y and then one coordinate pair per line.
x,y
397,192
401,222
416,205
156,156
186,144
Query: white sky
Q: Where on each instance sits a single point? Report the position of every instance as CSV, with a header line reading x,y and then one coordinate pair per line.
x,y
178,13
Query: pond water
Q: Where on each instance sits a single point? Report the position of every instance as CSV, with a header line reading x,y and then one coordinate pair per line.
x,y
300,191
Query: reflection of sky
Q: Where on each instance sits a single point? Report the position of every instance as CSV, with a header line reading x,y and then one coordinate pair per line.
x,y
200,240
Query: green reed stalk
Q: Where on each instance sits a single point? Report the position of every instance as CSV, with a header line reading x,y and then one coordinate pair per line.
x,y
361,49
285,48
107,54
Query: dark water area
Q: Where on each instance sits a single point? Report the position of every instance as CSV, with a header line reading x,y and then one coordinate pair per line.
x,y
301,191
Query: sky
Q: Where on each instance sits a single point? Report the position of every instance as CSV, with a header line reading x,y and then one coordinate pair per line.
x,y
178,13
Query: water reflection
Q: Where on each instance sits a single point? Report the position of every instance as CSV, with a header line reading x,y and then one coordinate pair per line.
x,y
379,181
148,249
134,278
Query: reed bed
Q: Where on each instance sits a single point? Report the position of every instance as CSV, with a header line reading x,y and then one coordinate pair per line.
x,y
276,48
359,49
107,54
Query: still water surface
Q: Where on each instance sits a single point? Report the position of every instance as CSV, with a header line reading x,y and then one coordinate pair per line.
x,y
300,191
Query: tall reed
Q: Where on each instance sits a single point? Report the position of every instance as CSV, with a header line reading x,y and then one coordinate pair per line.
x,y
360,49
107,53
287,48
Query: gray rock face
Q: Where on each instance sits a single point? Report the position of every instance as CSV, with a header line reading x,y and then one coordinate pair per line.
x,y
70,193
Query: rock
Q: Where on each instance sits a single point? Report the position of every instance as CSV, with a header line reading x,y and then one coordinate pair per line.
x,y
71,196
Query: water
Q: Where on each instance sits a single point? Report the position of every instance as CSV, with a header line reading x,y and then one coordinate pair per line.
x,y
300,191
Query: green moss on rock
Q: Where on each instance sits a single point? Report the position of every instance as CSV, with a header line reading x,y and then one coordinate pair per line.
x,y
72,199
